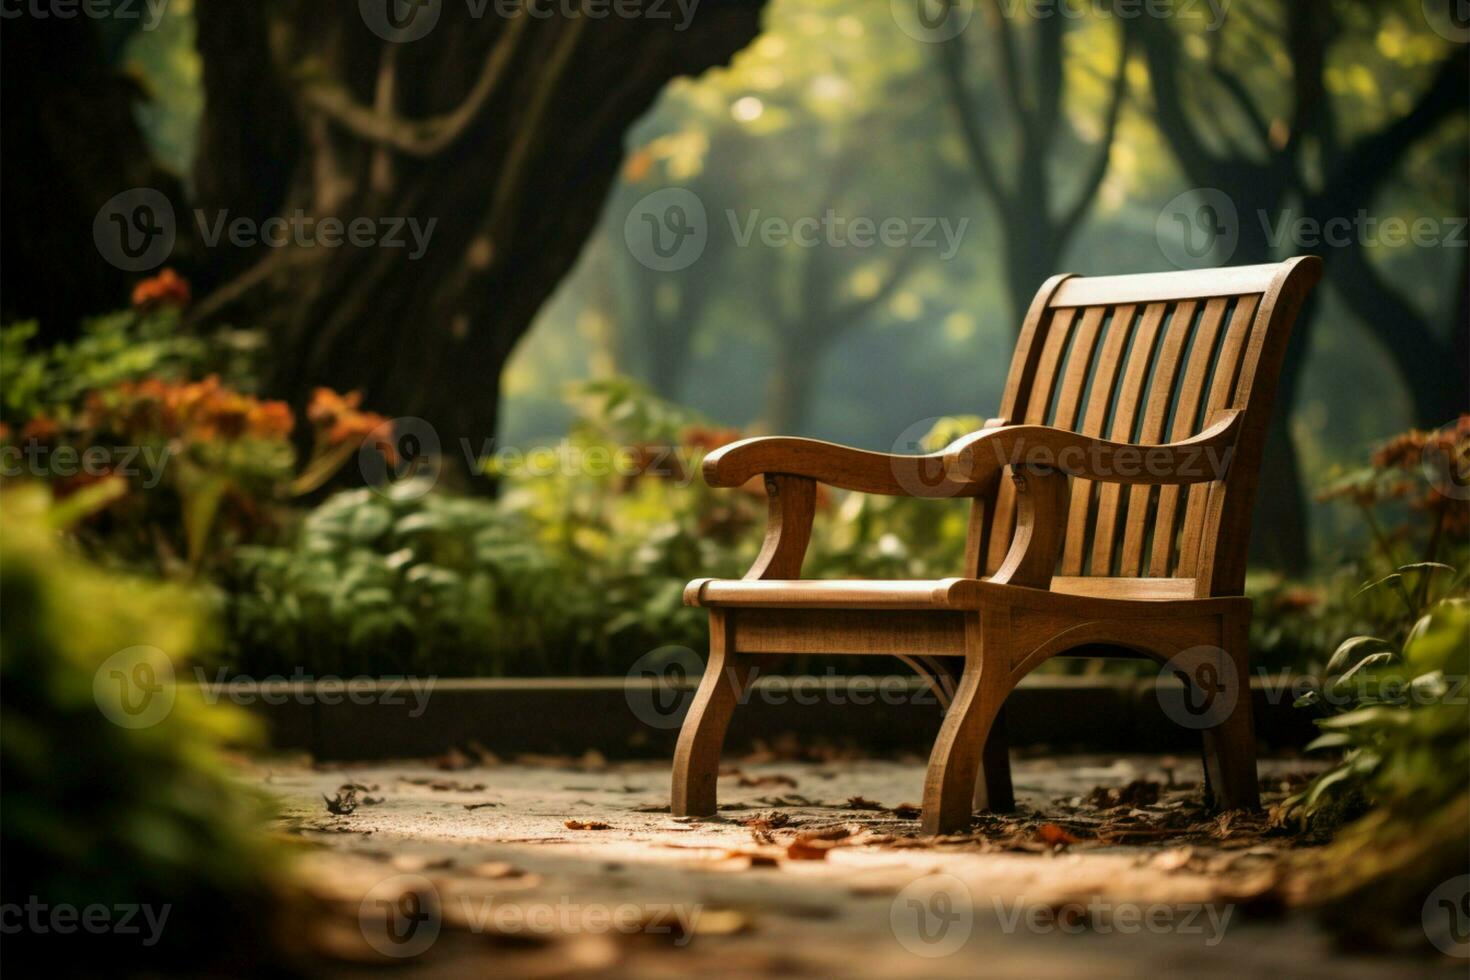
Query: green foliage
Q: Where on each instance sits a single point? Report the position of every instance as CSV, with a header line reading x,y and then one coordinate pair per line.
x,y
114,348
96,812
403,582
1401,721
1398,714
578,567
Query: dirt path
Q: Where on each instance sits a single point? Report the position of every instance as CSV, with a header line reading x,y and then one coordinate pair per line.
x,y
812,868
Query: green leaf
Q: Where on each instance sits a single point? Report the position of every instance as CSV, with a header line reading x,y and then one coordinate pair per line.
x,y
1351,651
1331,740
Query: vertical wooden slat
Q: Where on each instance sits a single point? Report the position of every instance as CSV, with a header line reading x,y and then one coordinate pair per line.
x,y
1124,418
1159,395
1222,388
1003,519
1051,363
1186,407
1099,396
1078,362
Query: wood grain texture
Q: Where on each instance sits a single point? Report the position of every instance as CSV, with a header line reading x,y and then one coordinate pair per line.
x,y
791,503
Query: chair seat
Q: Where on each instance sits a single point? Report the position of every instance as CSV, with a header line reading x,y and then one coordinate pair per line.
x,y
1095,596
946,593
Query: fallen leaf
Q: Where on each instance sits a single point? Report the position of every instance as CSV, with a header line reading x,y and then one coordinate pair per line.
x,y
587,825
1054,836
343,803
805,850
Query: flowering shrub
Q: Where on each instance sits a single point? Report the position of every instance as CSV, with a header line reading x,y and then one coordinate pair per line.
x,y
189,465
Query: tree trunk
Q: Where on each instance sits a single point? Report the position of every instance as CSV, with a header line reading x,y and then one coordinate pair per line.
x,y
790,390
495,140
71,144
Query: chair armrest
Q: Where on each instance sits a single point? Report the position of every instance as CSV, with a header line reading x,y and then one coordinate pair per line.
x,y
1199,459
837,466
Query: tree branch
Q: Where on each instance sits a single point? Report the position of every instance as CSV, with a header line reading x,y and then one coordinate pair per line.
x,y
419,137
1069,223
1161,49
952,68
1370,159
1011,78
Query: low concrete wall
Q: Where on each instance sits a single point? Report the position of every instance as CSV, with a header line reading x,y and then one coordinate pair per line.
x,y
388,718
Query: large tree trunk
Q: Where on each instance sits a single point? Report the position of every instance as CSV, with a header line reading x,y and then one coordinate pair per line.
x,y
498,137
71,144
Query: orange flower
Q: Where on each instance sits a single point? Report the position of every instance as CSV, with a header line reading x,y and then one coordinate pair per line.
x,y
167,288
42,428
326,405
709,439
354,427
338,419
271,420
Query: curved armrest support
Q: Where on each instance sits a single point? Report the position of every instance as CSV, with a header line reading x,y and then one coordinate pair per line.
x,y
837,466
1199,459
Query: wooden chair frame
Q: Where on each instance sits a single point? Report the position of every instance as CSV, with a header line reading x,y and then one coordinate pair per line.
x,y
1105,369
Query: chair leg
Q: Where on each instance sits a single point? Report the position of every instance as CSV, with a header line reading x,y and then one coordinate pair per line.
x,y
954,764
993,789
697,757
1230,747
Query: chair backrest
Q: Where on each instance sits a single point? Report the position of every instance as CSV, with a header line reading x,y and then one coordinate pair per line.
x,y
1150,359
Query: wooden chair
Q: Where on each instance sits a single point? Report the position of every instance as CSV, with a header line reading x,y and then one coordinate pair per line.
x,y
1131,429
